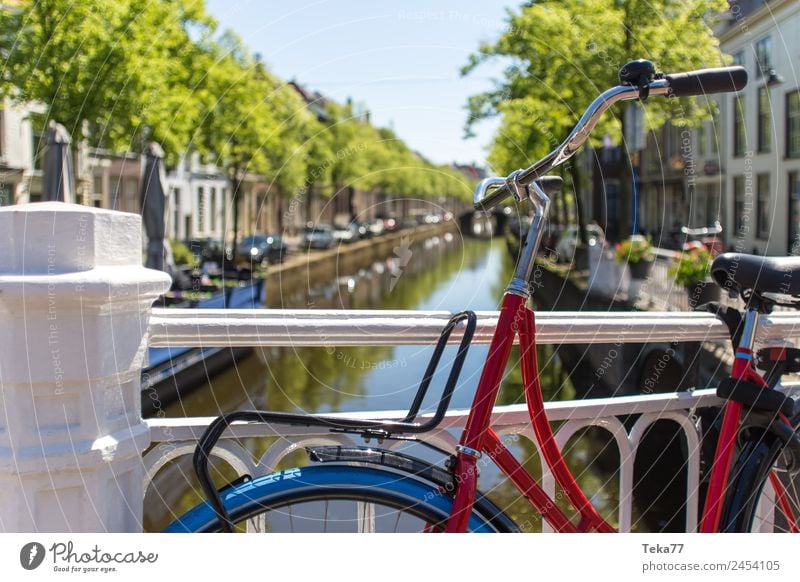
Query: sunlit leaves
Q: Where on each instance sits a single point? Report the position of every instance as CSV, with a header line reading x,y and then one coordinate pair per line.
x,y
121,70
561,54
121,74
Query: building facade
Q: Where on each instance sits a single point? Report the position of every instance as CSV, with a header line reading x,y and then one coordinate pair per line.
x,y
760,129
742,167
20,155
199,200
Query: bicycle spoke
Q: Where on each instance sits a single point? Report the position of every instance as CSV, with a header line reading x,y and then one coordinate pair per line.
x,y
366,517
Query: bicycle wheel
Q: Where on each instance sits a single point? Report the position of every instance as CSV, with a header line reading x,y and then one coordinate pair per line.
x,y
763,496
339,498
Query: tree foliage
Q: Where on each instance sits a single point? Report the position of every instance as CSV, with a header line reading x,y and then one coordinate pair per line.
x,y
124,73
561,54
126,68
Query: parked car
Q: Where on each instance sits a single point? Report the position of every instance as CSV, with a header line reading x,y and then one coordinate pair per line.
x,y
346,234
318,236
207,250
364,230
391,224
261,248
433,218
377,227
568,241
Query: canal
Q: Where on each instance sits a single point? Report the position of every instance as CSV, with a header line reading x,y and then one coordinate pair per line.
x,y
440,273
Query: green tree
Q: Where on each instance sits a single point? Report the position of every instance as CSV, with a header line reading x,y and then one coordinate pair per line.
x,y
562,54
348,135
250,120
294,159
124,70
396,170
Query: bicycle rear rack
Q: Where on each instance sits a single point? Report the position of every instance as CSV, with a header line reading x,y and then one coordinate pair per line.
x,y
368,428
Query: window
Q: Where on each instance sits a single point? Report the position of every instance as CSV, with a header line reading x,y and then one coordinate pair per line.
x,y
794,213
715,129
739,129
739,212
6,194
612,201
201,214
116,194
762,207
176,211
213,212
763,56
224,194
701,141
764,120
793,124
39,144
738,58
699,195
712,204
131,200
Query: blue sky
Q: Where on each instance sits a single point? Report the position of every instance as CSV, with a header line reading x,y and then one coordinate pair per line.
x,y
401,59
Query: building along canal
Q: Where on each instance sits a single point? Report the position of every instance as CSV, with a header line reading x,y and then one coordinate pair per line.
x,y
441,272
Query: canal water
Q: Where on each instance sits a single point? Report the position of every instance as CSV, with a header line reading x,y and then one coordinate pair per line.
x,y
441,273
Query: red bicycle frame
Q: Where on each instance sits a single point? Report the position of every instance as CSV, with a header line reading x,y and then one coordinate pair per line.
x,y
723,458
516,319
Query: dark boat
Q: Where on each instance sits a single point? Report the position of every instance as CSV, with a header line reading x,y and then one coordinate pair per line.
x,y
172,372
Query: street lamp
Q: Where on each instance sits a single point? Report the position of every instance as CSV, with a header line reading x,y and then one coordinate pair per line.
x,y
773,78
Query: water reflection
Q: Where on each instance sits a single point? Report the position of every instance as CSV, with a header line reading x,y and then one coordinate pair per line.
x,y
440,274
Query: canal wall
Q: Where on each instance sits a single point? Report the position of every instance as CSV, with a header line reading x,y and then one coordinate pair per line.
x,y
307,270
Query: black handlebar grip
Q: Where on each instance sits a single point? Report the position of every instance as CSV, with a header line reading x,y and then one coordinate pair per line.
x,y
492,199
551,185
707,81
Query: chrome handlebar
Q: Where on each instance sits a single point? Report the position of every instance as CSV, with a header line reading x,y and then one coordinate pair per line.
x,y
576,138
492,191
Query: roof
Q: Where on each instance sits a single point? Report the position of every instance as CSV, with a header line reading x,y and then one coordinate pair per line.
x,y
315,100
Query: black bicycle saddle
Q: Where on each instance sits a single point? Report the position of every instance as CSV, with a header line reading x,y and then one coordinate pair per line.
x,y
740,272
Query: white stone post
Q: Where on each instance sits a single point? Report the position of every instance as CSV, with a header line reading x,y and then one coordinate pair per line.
x,y
74,308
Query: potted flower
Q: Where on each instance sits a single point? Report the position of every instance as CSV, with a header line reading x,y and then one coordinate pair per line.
x,y
637,253
691,270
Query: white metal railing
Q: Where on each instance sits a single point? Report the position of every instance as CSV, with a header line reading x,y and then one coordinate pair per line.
x,y
77,319
310,327
175,438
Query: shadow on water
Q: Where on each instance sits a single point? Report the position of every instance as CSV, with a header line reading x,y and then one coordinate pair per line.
x,y
443,273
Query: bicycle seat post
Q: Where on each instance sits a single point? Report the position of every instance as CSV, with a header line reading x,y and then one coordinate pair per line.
x,y
519,285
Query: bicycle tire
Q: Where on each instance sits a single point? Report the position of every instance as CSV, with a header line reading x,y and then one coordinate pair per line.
x,y
747,508
409,497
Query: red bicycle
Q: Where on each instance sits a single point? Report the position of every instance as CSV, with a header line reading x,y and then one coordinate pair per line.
x,y
369,488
